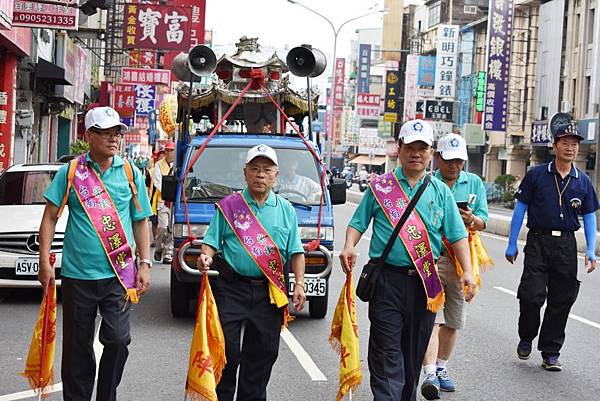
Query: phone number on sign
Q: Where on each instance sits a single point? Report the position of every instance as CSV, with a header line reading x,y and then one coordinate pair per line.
x,y
60,20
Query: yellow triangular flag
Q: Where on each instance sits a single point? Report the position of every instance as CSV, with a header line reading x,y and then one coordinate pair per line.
x,y
207,352
344,339
39,368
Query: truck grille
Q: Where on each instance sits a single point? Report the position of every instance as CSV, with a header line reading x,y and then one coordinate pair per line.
x,y
27,243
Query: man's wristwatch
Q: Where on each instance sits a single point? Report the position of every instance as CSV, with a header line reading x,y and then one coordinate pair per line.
x,y
146,261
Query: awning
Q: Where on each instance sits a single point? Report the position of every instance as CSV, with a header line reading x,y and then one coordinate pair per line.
x,y
362,159
51,73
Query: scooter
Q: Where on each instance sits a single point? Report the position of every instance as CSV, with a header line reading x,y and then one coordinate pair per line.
x,y
348,182
363,185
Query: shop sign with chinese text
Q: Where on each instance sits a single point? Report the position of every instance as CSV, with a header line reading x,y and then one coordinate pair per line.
x,y
438,110
426,72
500,21
142,58
364,67
368,105
43,15
392,90
145,76
540,132
338,87
198,9
155,26
6,14
480,92
125,100
446,60
410,86
145,96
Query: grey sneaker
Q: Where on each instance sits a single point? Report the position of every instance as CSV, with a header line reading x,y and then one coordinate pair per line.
x,y
430,389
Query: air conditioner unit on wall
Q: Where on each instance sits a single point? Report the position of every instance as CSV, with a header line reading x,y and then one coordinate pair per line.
x,y
470,9
565,106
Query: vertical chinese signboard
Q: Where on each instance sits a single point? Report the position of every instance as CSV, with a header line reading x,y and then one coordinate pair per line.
x,y
392,89
153,26
125,100
198,10
426,72
145,96
410,86
338,97
446,60
480,92
500,20
364,67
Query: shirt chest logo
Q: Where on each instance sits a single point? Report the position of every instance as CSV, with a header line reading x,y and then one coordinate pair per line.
x,y
575,203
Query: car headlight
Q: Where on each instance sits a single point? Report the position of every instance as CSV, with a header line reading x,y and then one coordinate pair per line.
x,y
310,233
181,230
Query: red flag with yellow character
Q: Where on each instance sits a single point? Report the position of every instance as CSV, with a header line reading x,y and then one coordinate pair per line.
x,y
344,339
207,353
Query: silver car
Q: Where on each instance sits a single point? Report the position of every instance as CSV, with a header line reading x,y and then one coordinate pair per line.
x,y
22,203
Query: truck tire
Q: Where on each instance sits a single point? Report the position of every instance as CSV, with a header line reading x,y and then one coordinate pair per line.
x,y
317,306
180,298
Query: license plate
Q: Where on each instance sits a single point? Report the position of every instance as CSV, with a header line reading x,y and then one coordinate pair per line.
x,y
27,266
313,287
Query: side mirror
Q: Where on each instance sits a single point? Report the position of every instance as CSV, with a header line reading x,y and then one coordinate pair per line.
x,y
169,188
337,191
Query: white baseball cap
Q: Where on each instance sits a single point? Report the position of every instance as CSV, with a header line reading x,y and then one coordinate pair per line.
x,y
452,146
263,151
103,118
416,130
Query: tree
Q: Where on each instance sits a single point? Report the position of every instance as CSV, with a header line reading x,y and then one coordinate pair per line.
x,y
79,147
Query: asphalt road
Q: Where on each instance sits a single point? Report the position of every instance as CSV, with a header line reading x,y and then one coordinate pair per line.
x,y
484,364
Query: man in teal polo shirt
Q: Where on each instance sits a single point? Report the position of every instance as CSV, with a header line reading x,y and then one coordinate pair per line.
x,y
469,194
89,282
242,291
400,323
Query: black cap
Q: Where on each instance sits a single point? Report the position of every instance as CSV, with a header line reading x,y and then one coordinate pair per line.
x,y
567,130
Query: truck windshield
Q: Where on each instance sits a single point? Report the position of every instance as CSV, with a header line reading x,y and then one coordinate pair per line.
x,y
219,172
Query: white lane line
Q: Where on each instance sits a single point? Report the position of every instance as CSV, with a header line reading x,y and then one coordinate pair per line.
x,y
572,316
55,388
305,360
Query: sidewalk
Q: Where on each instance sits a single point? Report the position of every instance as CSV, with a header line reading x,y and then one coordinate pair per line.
x,y
498,222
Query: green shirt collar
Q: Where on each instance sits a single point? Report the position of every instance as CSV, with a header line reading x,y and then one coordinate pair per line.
x,y
271,200
400,176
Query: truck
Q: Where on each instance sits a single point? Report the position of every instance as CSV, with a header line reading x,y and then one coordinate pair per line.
x,y
202,180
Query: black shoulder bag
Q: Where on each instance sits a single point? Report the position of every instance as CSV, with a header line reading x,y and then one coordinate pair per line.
x,y
365,289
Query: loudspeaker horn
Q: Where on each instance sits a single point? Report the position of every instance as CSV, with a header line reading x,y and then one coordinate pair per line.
x,y
180,67
202,60
304,61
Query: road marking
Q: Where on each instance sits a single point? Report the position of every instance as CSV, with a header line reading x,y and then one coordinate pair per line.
x,y
572,316
55,388
305,360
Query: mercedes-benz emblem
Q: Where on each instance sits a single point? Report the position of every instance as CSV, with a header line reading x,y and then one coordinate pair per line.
x,y
33,243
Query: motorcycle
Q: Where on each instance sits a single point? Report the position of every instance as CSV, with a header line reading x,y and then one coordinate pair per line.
x,y
348,182
363,185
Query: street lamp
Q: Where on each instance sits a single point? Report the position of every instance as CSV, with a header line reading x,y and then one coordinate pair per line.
x,y
329,143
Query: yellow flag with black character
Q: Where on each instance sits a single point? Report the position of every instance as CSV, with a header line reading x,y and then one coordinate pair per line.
x,y
344,339
39,368
207,352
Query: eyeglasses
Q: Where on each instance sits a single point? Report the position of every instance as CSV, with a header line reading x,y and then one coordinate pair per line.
x,y
267,170
108,134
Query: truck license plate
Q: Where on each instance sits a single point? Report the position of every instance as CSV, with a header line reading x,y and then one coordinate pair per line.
x,y
27,266
313,287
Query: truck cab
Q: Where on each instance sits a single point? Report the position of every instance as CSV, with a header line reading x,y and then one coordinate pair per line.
x,y
217,173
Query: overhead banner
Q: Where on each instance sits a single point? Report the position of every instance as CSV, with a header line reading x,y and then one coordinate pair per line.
x,y
446,60
368,105
145,76
155,26
364,67
498,61
392,90
43,15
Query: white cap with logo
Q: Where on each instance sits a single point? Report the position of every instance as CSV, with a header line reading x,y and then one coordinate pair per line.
x,y
103,118
416,130
452,146
262,151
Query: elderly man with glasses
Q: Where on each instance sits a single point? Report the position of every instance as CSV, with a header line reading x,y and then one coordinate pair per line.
x,y
257,232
